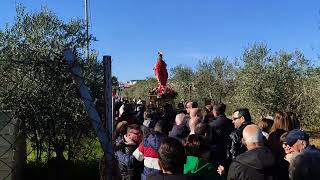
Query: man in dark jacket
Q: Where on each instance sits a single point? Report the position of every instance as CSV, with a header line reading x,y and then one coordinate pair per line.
x,y
129,168
168,115
180,129
240,118
221,128
257,163
140,113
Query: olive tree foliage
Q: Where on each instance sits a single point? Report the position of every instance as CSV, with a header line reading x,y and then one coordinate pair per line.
x,y
309,101
251,79
115,82
214,79
281,81
141,89
37,86
182,81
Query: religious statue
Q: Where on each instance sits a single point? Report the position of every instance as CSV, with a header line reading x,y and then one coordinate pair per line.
x,y
160,70
163,93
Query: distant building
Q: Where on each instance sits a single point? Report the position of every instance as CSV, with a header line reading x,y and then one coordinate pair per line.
x,y
132,82
128,84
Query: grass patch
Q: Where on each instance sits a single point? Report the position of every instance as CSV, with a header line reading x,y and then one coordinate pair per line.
x,y
90,151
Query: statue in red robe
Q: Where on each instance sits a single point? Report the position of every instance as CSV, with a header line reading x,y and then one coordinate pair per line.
x,y
160,70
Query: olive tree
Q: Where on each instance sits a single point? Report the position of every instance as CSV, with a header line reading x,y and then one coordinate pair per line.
x,y
38,88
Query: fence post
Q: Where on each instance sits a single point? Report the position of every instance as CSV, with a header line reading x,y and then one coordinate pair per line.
x,y
108,110
104,137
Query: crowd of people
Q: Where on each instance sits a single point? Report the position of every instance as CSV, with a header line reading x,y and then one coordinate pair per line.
x,y
189,142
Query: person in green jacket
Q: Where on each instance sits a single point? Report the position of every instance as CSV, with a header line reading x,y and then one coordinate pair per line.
x,y
197,159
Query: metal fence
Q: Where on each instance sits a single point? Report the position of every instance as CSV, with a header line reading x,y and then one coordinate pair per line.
x,y
12,147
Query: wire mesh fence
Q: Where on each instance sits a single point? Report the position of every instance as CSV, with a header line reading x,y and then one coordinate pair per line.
x,y
12,147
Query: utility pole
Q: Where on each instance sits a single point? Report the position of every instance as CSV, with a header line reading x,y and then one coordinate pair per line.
x,y
86,10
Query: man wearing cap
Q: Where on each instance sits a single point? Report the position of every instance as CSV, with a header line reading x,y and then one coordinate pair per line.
x,y
298,141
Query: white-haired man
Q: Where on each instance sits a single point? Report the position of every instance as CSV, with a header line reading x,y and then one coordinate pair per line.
x,y
257,162
306,165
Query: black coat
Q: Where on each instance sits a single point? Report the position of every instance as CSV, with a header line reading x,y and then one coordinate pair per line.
x,y
275,144
179,131
255,164
235,146
128,166
220,129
